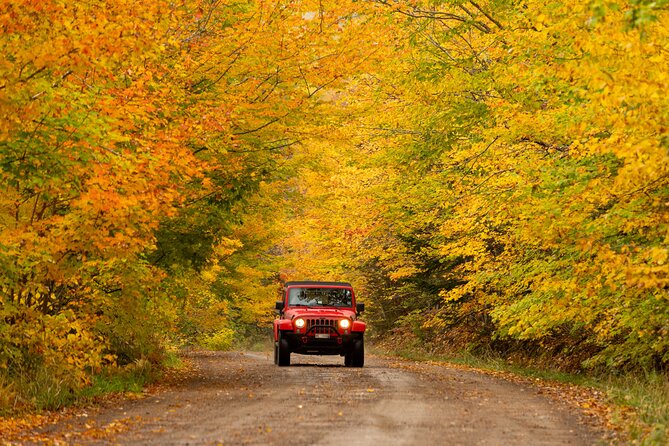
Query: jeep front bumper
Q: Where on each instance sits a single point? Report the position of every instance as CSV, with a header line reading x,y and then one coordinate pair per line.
x,y
320,343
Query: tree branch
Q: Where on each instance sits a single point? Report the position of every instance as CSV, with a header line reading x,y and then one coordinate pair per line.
x,y
268,123
491,18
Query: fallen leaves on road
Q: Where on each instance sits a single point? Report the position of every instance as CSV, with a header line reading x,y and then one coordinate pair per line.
x,y
592,403
35,429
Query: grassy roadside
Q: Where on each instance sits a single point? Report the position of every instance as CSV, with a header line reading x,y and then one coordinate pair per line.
x,y
40,392
22,421
635,406
254,339
133,378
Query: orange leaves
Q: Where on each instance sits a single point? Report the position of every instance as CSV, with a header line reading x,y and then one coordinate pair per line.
x,y
84,189
514,176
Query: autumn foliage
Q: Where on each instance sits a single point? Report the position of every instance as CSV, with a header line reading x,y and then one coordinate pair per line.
x,y
490,175
506,186
132,134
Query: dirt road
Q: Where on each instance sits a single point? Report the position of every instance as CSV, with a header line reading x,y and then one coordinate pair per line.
x,y
243,398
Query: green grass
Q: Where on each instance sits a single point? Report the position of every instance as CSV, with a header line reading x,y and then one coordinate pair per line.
x,y
132,379
172,361
258,342
640,400
38,390
41,390
648,395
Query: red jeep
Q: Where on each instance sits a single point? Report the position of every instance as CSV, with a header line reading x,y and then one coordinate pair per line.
x,y
319,318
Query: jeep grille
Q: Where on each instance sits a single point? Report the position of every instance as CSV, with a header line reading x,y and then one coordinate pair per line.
x,y
321,325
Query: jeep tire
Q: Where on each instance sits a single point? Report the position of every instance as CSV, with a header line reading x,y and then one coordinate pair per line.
x,y
347,358
282,352
355,357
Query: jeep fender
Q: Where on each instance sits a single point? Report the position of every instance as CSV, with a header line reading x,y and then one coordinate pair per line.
x,y
282,325
358,327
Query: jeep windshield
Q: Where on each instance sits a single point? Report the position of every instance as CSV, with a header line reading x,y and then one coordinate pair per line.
x,y
320,297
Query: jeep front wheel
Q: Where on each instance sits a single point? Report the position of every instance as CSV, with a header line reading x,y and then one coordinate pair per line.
x,y
356,356
347,358
282,352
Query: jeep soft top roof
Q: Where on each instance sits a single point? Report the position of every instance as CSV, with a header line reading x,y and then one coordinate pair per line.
x,y
316,283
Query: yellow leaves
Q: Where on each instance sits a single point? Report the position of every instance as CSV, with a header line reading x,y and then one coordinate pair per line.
x,y
227,246
540,226
511,171
658,255
67,348
652,274
457,293
541,22
471,248
403,272
210,275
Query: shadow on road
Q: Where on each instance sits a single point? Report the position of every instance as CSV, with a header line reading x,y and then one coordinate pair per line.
x,y
327,366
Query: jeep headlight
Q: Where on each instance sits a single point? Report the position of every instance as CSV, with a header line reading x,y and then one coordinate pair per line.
x,y
344,324
300,323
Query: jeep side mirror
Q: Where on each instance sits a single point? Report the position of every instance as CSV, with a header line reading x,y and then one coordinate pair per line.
x,y
279,306
359,308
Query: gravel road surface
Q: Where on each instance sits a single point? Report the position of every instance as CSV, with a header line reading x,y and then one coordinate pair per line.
x,y
243,398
